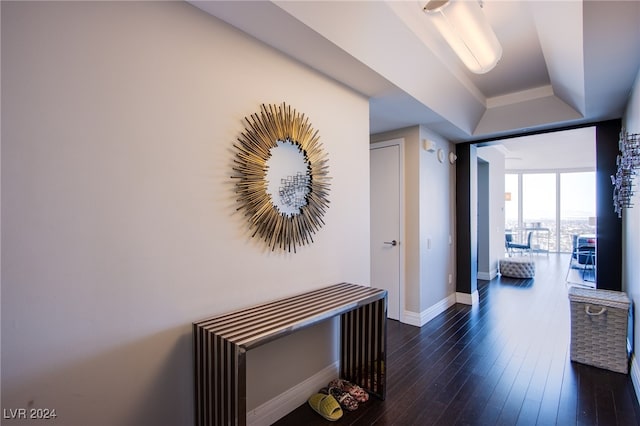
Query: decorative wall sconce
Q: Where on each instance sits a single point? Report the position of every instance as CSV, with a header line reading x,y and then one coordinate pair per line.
x,y
466,29
628,162
284,206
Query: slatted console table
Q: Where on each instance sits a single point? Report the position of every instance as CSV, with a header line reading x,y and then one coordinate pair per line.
x,y
221,343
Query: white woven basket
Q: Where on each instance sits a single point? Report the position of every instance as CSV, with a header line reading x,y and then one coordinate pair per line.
x,y
599,320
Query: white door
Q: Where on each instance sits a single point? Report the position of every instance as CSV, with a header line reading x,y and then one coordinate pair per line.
x,y
385,163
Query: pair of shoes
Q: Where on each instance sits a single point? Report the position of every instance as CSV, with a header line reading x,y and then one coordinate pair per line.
x,y
326,406
354,390
345,399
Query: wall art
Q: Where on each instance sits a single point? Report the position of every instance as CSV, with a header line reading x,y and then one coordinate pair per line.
x,y
628,162
282,177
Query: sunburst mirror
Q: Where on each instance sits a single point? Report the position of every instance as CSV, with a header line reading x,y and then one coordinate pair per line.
x,y
282,177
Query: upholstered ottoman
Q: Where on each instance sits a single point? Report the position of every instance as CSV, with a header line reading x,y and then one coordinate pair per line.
x,y
517,267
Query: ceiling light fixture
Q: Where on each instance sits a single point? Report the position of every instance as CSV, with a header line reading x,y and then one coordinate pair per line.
x,y
465,27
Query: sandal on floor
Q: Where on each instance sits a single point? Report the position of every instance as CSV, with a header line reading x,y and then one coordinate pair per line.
x,y
354,390
345,399
326,406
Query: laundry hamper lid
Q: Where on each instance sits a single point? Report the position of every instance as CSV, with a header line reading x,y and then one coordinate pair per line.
x,y
610,298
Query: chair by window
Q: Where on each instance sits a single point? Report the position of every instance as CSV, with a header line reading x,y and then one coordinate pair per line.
x,y
583,255
508,240
511,246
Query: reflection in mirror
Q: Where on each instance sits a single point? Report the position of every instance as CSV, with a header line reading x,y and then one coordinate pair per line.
x,y
288,178
282,177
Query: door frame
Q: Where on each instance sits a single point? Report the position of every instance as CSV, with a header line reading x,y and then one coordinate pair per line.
x,y
402,237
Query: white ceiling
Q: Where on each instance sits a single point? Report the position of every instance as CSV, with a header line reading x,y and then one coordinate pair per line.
x,y
567,150
564,62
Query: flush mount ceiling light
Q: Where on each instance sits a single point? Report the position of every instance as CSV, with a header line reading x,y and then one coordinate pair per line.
x,y
466,29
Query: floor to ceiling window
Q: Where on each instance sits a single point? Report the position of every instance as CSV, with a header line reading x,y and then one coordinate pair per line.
x,y
512,201
553,206
577,206
539,209
550,187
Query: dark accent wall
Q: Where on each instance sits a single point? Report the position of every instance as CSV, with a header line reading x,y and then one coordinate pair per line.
x,y
609,226
466,218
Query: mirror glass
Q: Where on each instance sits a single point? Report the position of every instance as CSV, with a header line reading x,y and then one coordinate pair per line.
x,y
288,179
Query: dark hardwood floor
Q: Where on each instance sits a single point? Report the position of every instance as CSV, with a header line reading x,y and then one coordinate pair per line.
x,y
504,362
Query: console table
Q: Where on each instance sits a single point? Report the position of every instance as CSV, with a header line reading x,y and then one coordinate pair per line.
x,y
221,343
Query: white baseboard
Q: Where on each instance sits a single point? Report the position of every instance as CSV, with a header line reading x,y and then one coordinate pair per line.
x,y
468,299
488,276
484,276
635,376
278,407
420,319
411,318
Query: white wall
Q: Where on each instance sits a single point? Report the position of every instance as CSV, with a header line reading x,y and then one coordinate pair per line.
x,y
631,238
437,222
119,222
493,247
429,221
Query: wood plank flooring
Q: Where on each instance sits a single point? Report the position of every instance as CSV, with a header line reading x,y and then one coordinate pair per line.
x,y
504,362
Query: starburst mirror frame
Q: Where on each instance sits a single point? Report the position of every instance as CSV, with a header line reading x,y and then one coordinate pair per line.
x,y
263,131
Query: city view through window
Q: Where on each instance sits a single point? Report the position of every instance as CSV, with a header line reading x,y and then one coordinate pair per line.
x,y
554,206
